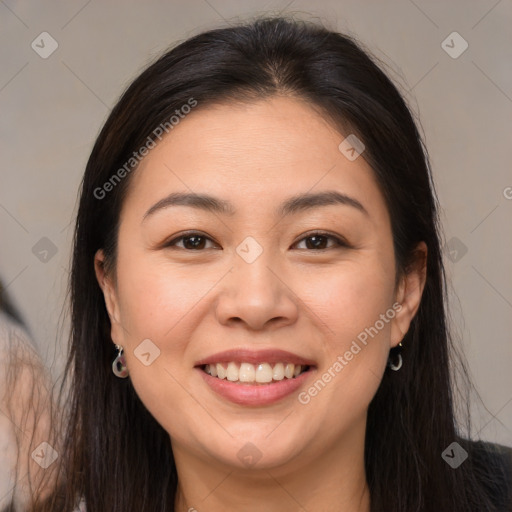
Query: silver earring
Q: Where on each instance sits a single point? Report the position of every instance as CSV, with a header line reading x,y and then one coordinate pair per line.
x,y
119,364
395,366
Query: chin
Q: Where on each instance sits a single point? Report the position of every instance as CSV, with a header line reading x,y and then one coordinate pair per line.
x,y
257,451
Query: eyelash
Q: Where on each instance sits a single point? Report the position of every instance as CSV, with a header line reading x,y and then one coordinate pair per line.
x,y
339,242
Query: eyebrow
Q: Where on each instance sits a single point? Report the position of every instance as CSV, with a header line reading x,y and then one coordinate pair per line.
x,y
295,204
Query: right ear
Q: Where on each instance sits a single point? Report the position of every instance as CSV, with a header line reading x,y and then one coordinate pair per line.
x,y
110,295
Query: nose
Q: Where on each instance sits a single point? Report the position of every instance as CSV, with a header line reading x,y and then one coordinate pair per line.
x,y
257,295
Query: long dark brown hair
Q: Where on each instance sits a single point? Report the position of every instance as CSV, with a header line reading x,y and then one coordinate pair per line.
x,y
115,454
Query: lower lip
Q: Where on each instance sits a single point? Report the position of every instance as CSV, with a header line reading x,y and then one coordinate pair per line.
x,y
259,394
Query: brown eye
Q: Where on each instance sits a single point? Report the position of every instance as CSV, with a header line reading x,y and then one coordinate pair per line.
x,y
191,241
319,240
195,241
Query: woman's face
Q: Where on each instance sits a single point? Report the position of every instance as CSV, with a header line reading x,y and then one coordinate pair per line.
x,y
254,279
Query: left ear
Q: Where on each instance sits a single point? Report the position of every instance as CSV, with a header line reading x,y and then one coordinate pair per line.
x,y
408,294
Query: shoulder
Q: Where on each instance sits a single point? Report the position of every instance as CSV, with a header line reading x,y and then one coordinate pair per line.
x,y
492,464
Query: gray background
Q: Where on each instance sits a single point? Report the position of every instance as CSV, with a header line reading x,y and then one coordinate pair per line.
x,y
52,110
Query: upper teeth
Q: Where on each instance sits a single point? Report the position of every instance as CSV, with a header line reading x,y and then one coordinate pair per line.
x,y
247,372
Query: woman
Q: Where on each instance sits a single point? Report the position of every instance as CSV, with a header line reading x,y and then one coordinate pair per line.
x,y
258,293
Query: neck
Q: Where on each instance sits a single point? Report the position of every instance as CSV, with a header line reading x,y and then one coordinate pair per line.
x,y
331,480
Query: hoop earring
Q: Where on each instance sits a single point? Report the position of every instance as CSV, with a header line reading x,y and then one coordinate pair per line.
x,y
395,366
119,367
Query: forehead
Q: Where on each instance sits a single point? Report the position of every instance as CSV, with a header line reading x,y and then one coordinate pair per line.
x,y
254,154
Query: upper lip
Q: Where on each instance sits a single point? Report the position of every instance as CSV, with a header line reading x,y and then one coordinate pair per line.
x,y
255,357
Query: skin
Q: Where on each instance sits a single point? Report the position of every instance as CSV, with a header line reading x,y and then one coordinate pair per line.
x,y
312,302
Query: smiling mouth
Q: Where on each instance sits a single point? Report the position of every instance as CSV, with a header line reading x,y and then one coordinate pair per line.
x,y
254,374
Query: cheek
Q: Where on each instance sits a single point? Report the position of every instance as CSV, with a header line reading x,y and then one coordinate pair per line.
x,y
157,303
350,299
356,338
155,298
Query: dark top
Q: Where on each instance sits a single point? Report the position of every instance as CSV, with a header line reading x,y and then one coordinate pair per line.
x,y
493,463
